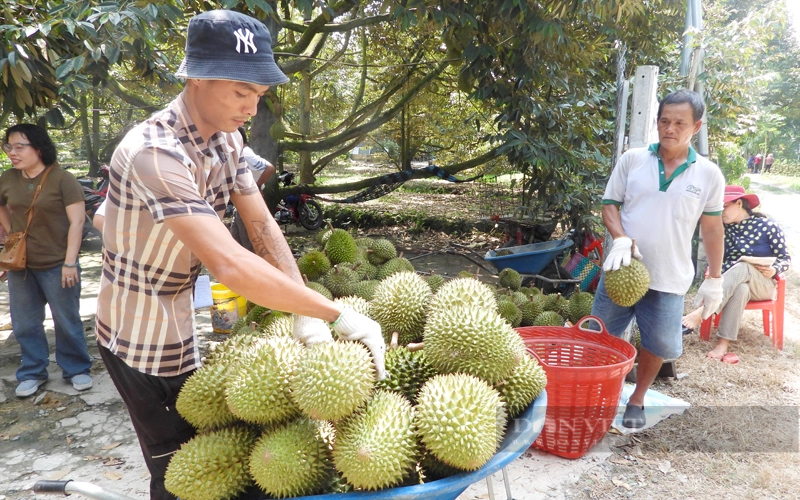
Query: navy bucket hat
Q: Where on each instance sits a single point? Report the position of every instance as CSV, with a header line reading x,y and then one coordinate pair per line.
x,y
227,45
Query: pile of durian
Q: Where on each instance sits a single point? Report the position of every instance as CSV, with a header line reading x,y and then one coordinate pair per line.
x,y
294,421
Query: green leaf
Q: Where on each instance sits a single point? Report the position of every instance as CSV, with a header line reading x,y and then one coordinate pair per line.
x,y
63,69
112,53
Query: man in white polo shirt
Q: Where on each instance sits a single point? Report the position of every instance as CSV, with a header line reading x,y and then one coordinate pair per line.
x,y
656,196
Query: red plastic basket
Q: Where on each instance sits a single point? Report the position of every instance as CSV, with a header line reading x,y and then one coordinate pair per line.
x,y
585,372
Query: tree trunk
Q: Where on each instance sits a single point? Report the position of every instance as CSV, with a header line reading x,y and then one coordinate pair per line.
x,y
304,128
85,131
94,161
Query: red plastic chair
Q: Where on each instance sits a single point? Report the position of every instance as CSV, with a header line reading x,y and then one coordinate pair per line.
x,y
774,307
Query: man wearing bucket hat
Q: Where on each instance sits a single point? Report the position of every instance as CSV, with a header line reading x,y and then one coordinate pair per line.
x,y
655,197
751,242
170,180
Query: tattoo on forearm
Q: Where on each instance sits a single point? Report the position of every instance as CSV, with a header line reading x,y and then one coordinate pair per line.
x,y
272,247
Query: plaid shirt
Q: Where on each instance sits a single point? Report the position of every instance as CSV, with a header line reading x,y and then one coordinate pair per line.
x,y
162,169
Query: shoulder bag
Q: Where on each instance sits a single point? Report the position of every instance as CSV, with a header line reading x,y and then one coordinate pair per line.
x,y
14,256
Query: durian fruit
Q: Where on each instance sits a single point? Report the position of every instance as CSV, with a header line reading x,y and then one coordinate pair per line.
x,y
341,281
548,318
242,327
355,303
366,289
293,460
313,264
465,274
227,352
510,278
460,419
258,385
467,292
435,281
322,237
201,401
364,242
211,466
341,247
333,379
396,265
434,469
257,314
518,298
280,327
530,310
474,341
522,385
399,305
381,251
271,318
562,306
406,371
376,447
363,269
551,302
320,288
510,312
580,306
628,284
528,291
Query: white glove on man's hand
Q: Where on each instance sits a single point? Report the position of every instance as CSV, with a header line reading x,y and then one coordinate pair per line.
x,y
310,331
355,326
710,295
620,254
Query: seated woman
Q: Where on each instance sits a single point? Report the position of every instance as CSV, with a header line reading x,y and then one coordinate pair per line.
x,y
747,234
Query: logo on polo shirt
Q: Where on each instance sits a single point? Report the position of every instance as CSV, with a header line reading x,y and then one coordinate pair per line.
x,y
244,37
693,189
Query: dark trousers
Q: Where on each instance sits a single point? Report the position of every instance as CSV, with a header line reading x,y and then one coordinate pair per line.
x,y
151,405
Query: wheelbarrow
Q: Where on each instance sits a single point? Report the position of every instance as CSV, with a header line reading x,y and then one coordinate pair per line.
x,y
520,435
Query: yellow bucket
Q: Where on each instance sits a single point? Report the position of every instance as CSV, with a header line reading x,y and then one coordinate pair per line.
x,y
227,308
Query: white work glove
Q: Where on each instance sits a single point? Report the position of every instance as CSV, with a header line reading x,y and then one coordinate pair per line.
x,y
355,326
620,254
710,295
310,331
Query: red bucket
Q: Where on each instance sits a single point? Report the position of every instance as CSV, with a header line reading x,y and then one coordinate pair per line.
x,y
585,373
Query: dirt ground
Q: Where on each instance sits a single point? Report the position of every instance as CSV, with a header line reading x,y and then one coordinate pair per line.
x,y
739,439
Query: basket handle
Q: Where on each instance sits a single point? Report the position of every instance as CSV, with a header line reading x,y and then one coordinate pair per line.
x,y
586,319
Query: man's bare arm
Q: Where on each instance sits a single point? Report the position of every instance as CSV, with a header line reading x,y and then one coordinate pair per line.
x,y
713,234
265,234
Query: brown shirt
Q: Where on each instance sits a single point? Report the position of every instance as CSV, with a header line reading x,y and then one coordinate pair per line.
x,y
162,169
47,236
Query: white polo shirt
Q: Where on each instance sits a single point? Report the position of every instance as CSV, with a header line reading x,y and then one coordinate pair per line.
x,y
662,214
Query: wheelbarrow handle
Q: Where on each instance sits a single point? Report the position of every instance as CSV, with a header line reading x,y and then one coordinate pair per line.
x,y
68,487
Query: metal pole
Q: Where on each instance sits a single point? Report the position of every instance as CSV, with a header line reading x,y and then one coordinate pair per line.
x,y
622,104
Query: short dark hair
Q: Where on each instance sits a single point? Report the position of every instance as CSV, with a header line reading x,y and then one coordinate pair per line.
x,y
38,139
244,134
682,96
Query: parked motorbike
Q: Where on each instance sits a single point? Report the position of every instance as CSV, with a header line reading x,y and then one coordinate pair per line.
x,y
302,208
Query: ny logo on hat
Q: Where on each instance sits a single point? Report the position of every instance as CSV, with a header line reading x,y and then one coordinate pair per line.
x,y
244,37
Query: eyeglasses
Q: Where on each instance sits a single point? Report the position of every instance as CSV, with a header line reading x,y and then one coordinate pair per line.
x,y
15,147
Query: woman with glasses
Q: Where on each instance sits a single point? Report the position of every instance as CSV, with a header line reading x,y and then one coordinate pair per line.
x,y
52,275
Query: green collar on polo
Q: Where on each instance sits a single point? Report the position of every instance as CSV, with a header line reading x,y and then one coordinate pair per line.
x,y
663,183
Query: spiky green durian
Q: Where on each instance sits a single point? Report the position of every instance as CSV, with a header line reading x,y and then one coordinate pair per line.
x,y
257,314
333,379
628,284
551,302
522,385
580,306
530,310
202,398
341,247
228,352
510,278
362,268
399,305
366,289
467,292
435,281
434,469
465,274
341,281
527,291
548,318
406,371
280,327
377,447
459,419
293,460
474,341
518,298
355,303
509,312
258,385
211,466
320,288
381,251
322,237
313,264
364,242
242,327
396,265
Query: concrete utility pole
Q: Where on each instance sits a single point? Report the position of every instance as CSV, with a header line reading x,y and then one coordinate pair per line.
x,y
645,107
692,65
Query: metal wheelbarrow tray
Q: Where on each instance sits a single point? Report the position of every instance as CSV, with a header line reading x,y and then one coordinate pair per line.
x,y
527,259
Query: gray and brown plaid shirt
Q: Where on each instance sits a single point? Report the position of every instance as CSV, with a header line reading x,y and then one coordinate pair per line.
x,y
162,169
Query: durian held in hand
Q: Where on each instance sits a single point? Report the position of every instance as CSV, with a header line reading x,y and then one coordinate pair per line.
x,y
626,279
